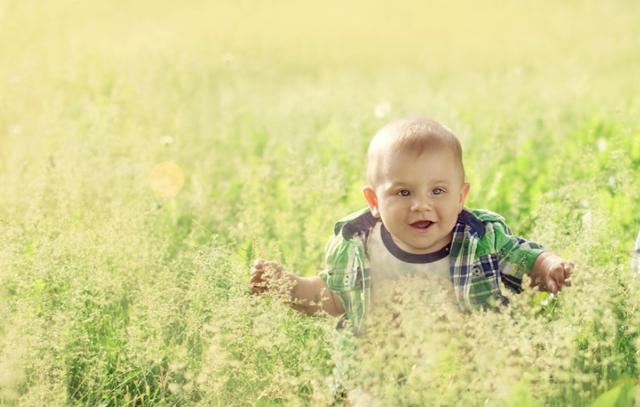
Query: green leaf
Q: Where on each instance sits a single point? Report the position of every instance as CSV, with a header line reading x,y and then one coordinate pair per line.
x,y
619,396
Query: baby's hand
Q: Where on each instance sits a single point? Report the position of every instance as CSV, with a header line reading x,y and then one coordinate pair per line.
x,y
266,276
551,272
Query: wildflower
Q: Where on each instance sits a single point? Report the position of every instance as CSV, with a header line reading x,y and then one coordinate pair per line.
x,y
602,144
166,140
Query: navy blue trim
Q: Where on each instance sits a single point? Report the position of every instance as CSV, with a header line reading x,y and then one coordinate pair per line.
x,y
411,257
366,221
512,283
532,245
362,223
476,225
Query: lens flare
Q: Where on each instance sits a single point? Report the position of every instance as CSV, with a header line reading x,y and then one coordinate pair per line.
x,y
167,179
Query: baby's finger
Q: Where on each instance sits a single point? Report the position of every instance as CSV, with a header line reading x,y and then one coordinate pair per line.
x,y
258,290
257,279
256,273
258,286
568,268
552,286
563,279
258,263
273,265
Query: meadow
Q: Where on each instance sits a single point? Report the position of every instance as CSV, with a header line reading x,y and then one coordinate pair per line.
x,y
149,151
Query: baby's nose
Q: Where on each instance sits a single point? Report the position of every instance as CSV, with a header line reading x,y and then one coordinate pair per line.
x,y
421,204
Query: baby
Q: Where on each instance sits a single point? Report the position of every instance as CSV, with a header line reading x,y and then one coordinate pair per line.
x,y
415,225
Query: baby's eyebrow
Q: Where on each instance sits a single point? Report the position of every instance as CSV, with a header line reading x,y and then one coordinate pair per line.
x,y
398,184
441,181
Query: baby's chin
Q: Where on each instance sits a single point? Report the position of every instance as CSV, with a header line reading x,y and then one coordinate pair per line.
x,y
418,248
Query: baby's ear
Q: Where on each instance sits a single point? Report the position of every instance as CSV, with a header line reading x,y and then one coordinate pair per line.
x,y
372,200
464,192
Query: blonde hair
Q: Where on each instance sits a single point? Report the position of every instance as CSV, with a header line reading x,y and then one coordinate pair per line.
x,y
413,135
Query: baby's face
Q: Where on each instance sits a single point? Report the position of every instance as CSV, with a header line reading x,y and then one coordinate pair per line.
x,y
419,198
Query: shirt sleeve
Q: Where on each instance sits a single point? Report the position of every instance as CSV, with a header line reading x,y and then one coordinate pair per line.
x,y
516,255
336,261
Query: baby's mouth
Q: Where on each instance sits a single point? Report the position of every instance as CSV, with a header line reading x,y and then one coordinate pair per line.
x,y
423,224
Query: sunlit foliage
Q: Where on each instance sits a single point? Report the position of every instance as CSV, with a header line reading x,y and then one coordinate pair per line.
x,y
149,151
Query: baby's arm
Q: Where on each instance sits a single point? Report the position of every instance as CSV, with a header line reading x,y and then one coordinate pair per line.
x,y
309,295
519,256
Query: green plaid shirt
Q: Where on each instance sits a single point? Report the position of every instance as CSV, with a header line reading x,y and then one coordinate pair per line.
x,y
484,257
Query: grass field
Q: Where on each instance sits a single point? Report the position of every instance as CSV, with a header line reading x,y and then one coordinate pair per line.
x,y
149,151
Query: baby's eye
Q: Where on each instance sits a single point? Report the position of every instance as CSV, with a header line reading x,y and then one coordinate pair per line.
x,y
403,192
437,191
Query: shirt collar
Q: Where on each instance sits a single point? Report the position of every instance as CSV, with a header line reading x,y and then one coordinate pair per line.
x,y
364,221
476,227
407,257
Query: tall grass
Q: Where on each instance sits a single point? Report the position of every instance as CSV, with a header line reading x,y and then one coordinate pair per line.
x,y
118,287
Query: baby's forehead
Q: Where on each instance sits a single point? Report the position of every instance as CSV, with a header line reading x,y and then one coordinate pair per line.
x,y
386,161
410,137
384,152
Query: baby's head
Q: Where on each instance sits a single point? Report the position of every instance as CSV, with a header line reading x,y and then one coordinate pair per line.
x,y
416,183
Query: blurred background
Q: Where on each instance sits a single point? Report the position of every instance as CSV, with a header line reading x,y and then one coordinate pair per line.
x,y
149,151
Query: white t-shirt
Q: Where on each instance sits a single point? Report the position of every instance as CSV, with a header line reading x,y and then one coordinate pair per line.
x,y
392,269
